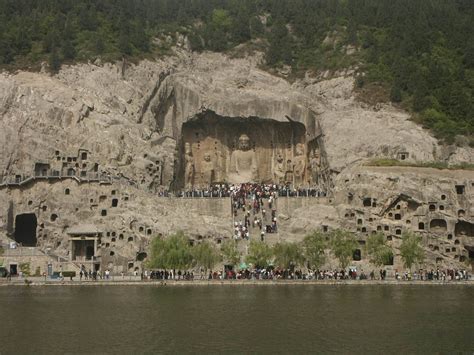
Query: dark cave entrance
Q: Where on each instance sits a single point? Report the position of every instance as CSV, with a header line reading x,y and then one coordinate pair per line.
x,y
25,229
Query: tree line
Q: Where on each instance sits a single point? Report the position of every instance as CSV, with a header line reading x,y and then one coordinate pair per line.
x,y
176,253
422,52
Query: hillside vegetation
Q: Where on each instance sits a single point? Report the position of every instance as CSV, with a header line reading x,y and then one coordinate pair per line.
x,y
420,52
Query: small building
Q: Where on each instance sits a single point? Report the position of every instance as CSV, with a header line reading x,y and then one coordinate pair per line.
x,y
84,240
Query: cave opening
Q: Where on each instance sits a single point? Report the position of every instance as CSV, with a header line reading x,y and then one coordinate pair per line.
x,y
438,225
141,256
357,255
367,202
25,229
464,228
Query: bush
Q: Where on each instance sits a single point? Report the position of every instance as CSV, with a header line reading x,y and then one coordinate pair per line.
x,y
25,268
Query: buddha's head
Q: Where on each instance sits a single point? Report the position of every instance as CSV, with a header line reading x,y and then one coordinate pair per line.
x,y
187,148
316,154
244,142
207,157
299,149
279,157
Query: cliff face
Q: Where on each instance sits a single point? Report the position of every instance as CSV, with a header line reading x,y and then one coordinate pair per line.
x,y
117,127
93,106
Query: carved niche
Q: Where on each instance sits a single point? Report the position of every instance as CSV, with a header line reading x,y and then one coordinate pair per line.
x,y
219,149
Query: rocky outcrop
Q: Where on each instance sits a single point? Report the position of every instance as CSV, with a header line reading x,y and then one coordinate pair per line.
x,y
107,130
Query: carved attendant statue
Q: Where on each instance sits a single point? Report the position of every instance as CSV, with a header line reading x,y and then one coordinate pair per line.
x,y
315,164
243,163
279,169
299,165
189,167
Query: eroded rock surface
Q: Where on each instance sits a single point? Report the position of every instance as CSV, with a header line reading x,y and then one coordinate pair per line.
x,y
118,132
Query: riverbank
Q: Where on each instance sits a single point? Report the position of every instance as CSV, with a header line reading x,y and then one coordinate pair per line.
x,y
137,282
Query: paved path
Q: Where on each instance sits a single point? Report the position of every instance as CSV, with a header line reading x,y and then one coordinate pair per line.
x,y
135,281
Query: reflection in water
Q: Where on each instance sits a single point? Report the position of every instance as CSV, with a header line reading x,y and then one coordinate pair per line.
x,y
295,318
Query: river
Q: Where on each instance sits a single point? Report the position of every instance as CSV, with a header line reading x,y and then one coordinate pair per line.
x,y
237,319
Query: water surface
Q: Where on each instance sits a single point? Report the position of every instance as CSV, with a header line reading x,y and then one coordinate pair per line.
x,y
236,319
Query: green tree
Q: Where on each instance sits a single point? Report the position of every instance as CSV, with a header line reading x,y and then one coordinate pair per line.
x,y
54,61
241,27
281,44
256,27
314,245
343,245
221,19
379,251
411,250
230,253
205,255
259,254
173,252
287,255
396,93
68,50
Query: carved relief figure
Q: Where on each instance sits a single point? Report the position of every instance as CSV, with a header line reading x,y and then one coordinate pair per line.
x,y
299,165
243,162
315,165
289,172
279,169
189,166
207,170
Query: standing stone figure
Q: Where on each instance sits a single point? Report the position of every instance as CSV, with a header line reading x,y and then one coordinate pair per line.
x,y
279,169
299,165
243,163
189,167
315,165
207,170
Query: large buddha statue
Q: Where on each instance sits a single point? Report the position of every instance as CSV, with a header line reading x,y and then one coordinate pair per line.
x,y
243,163
207,170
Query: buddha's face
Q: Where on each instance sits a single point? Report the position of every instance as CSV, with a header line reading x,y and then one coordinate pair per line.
x,y
207,157
299,149
187,148
244,142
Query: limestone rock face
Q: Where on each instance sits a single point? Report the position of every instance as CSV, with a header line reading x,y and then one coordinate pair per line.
x,y
106,132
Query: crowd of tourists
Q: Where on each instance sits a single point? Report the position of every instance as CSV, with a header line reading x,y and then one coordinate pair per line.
x,y
288,274
441,275
254,210
226,190
93,275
